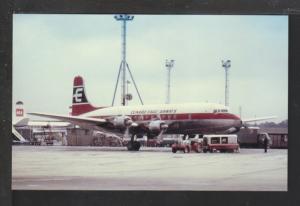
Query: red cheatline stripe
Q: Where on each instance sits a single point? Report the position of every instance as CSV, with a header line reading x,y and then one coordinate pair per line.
x,y
194,116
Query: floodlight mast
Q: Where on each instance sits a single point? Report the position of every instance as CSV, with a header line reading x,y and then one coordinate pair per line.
x,y
226,64
169,65
124,65
124,18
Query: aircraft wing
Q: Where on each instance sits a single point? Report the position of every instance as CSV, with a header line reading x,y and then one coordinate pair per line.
x,y
258,119
77,120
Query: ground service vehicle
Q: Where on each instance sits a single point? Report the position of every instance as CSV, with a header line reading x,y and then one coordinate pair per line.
x,y
222,143
187,145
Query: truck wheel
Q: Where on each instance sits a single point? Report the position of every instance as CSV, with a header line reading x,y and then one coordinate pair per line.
x,y
174,150
204,150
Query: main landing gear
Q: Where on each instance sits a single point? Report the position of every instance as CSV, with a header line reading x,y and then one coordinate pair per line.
x,y
133,145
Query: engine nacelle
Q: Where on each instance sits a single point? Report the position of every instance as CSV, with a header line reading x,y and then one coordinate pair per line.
x,y
232,130
122,121
157,126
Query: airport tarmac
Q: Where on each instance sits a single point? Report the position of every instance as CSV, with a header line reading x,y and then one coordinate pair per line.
x,y
104,168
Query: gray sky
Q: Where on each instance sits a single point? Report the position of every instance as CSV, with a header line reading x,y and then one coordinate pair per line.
x,y
49,50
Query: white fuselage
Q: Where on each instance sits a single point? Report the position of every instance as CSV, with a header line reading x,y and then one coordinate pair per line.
x,y
181,118
158,109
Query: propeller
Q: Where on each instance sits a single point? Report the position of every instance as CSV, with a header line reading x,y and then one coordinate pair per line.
x,y
164,128
159,137
126,133
129,123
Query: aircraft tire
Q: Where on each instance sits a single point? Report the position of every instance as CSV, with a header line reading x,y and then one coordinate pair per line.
x,y
136,145
133,146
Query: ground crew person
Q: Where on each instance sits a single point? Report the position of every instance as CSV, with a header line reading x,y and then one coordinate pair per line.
x,y
266,141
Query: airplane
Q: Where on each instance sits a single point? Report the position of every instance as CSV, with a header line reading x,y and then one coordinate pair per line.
x,y
20,120
151,120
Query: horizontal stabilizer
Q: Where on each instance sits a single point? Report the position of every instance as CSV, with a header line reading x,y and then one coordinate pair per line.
x,y
258,119
22,122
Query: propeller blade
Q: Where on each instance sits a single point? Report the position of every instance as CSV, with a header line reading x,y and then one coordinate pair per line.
x,y
159,137
164,128
126,133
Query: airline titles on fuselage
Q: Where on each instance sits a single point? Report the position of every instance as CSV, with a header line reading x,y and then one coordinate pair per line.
x,y
163,111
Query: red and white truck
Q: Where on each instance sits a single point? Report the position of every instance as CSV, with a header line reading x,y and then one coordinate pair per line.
x,y
220,142
209,143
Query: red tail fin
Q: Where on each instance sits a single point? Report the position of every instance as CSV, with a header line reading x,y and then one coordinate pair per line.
x,y
80,103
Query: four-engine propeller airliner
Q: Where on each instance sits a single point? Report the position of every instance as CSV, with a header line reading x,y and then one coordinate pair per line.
x,y
150,120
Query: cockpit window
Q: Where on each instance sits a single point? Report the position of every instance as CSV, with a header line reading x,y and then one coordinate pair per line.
x,y
220,110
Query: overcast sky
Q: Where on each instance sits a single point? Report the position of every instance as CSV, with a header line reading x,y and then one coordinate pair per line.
x,y
49,50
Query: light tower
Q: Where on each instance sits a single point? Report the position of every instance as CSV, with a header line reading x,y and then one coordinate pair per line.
x,y
124,18
169,65
226,64
124,97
